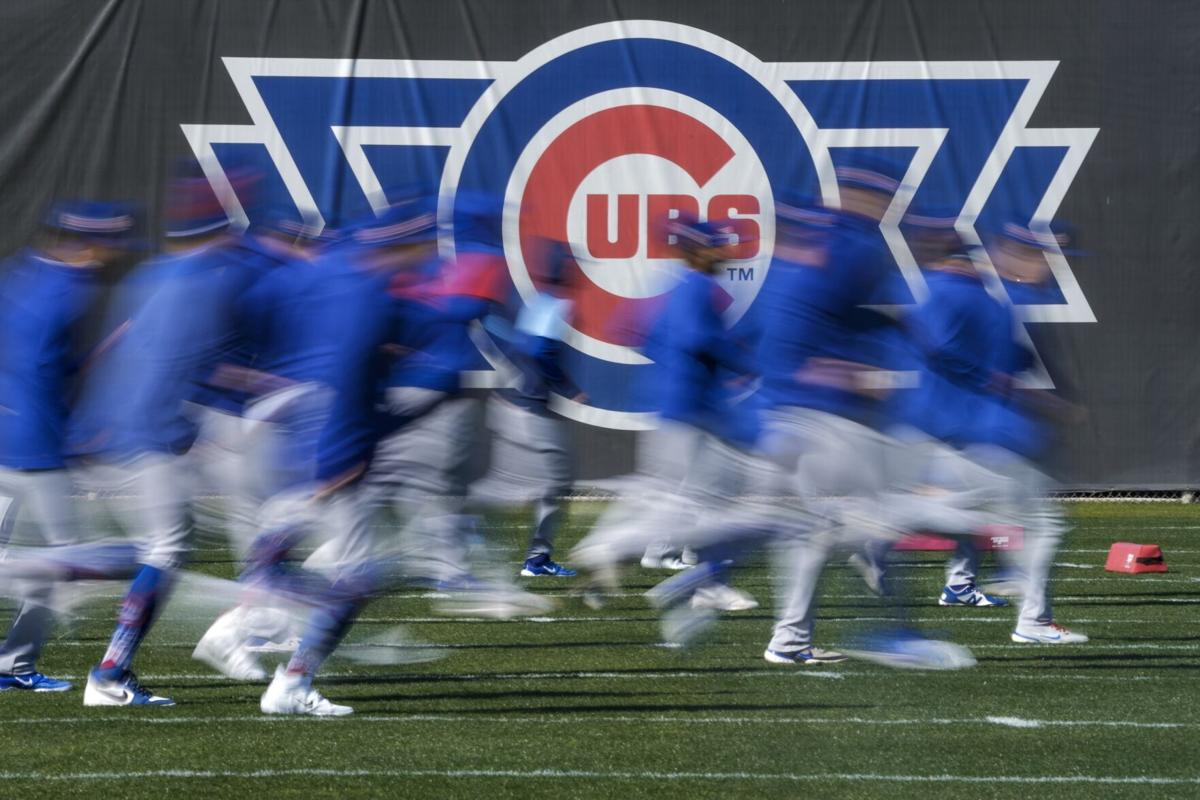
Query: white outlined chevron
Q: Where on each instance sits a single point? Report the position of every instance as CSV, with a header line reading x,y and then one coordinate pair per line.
x,y
1037,75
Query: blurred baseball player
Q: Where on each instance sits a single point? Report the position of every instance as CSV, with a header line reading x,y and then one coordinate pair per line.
x,y
1018,429
530,459
822,375
684,468
45,292
136,423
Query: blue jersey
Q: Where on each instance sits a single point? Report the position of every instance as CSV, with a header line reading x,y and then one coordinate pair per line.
x,y
442,306
966,339
181,326
1007,422
535,348
356,324
815,325
957,334
696,355
41,304
278,315
248,263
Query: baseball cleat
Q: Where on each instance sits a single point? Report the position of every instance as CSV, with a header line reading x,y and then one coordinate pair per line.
x,y
910,650
812,657
122,691
1049,633
723,597
969,595
33,682
293,694
222,648
543,565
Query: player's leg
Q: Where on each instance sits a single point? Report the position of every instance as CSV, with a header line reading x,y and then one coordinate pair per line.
x,y
1045,526
729,489
45,496
164,523
799,563
420,470
936,489
225,460
656,502
796,442
343,562
550,472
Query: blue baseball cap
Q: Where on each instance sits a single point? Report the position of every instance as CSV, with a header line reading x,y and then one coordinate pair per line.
x,y
935,235
802,210
691,234
103,221
407,222
865,171
1038,234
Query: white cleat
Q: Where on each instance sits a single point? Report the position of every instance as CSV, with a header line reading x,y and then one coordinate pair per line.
x,y
723,597
223,649
123,691
1050,633
293,694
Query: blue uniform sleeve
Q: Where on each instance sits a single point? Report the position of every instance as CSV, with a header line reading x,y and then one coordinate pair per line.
x,y
546,355
703,334
952,342
464,308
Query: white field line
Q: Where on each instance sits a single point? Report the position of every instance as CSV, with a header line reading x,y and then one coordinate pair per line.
x,y
1092,645
1169,550
832,673
563,774
1143,528
631,719
1091,599
967,618
531,676
1059,579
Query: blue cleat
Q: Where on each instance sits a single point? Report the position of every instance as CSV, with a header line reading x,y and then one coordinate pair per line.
x,y
122,691
542,565
33,682
969,595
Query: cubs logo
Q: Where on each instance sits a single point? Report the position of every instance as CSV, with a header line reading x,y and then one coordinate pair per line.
x,y
595,137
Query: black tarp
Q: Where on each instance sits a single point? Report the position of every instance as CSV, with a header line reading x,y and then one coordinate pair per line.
x,y
95,96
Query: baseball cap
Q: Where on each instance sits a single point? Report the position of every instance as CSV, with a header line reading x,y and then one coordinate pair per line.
x,y
106,221
410,221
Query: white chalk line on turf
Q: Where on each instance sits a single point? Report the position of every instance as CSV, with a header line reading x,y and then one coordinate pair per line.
x,y
557,774
787,674
633,719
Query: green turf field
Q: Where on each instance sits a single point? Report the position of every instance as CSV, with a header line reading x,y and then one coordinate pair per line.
x,y
584,704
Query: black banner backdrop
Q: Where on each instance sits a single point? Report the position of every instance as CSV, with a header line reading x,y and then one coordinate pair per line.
x,y
100,98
